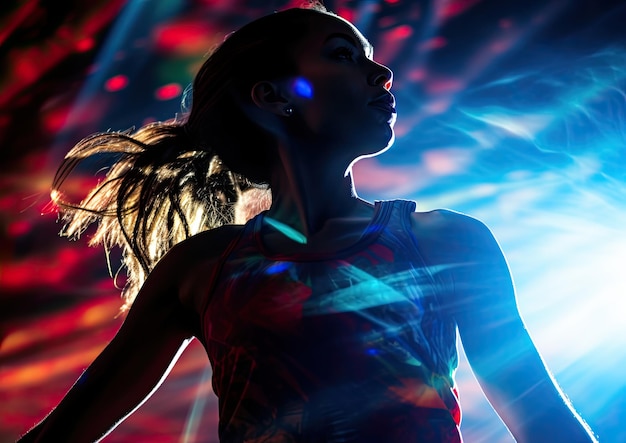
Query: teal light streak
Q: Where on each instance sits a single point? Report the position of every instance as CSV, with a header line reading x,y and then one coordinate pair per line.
x,y
287,230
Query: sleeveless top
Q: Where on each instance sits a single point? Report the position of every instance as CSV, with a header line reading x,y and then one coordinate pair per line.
x,y
348,347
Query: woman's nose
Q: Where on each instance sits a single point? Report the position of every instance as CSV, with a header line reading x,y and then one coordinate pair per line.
x,y
381,76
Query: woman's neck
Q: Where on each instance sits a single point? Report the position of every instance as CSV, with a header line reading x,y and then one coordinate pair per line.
x,y
305,199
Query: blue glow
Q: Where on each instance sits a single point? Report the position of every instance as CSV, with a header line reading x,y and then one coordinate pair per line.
x,y
372,228
277,267
537,155
303,88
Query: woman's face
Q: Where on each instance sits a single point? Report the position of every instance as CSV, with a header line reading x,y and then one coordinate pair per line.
x,y
340,96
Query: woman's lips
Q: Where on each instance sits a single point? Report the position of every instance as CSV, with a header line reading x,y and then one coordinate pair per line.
x,y
384,107
385,103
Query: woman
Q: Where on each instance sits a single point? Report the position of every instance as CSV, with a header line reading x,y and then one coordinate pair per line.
x,y
326,318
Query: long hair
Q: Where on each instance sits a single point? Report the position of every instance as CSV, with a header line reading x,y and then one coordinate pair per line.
x,y
172,180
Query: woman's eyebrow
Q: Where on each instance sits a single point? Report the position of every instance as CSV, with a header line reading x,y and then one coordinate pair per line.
x,y
367,47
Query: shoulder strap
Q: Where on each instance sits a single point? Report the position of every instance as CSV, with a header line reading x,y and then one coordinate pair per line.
x,y
400,214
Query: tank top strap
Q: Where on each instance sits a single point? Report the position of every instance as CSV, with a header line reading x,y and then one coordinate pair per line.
x,y
398,214
401,237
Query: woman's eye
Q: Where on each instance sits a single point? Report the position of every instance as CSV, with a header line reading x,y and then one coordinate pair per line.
x,y
343,53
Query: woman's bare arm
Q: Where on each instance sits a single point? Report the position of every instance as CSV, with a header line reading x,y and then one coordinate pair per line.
x,y
129,369
497,344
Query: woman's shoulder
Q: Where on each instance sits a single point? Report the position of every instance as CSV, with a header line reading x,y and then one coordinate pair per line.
x,y
451,232
200,250
466,249
449,221
190,263
206,244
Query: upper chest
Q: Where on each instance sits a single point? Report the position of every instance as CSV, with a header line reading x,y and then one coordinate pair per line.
x,y
384,272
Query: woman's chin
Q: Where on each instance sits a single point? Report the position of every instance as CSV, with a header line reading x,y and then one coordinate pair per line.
x,y
376,151
385,143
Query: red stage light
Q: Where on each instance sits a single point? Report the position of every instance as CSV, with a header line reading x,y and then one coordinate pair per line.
x,y
169,91
116,83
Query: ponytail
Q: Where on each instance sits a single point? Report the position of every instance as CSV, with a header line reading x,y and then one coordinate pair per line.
x,y
159,191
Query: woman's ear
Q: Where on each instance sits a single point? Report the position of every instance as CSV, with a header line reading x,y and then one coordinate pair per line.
x,y
269,96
